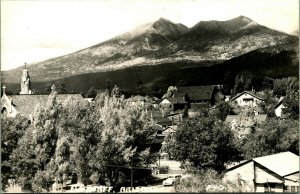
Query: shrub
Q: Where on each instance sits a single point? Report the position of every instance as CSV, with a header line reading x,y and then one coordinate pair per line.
x,y
163,169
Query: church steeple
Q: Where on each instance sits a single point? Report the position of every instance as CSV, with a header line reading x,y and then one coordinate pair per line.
x,y
25,82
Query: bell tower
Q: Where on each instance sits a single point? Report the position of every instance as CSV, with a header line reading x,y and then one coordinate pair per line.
x,y
25,82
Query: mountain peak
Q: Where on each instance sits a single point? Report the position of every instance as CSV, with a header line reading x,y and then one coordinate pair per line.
x,y
169,29
161,19
242,21
244,18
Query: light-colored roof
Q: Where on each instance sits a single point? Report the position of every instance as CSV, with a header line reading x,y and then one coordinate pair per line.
x,y
283,164
257,95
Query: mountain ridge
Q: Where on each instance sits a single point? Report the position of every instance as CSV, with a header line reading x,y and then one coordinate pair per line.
x,y
160,42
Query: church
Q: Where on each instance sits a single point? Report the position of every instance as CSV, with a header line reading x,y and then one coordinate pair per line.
x,y
25,103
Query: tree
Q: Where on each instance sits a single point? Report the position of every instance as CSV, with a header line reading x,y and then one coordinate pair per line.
x,y
23,160
185,113
60,85
271,137
285,85
36,148
267,83
239,84
204,143
125,129
138,82
92,93
243,82
170,92
108,85
223,109
45,125
228,82
12,129
291,105
97,143
268,105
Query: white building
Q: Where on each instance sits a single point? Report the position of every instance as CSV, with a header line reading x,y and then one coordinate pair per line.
x,y
248,98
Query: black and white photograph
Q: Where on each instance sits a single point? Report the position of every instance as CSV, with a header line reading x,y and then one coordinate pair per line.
x,y
149,96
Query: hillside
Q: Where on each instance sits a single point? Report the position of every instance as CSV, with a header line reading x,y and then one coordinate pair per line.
x,y
163,52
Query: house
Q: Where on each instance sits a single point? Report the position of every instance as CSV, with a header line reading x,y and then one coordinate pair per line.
x,y
169,130
25,103
197,94
279,106
248,98
172,104
272,173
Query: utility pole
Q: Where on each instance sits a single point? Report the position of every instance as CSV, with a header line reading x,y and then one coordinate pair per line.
x,y
131,175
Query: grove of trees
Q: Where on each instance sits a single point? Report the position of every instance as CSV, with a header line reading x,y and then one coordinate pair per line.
x,y
98,142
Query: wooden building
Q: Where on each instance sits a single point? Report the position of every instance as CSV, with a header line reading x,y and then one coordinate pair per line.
x,y
273,173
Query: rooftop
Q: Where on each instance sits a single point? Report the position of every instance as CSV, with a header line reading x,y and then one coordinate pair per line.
x,y
258,95
283,164
25,104
200,93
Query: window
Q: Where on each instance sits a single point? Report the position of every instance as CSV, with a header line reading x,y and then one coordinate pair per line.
x,y
293,189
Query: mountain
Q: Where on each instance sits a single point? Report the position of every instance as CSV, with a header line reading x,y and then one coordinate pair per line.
x,y
161,44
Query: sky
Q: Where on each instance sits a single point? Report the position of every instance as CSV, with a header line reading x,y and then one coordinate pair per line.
x,y
36,30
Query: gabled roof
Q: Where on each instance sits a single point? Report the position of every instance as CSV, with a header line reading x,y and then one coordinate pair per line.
x,y
257,95
283,164
201,93
25,104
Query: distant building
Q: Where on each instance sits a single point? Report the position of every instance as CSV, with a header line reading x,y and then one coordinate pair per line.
x,y
248,98
25,103
197,94
172,104
272,173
